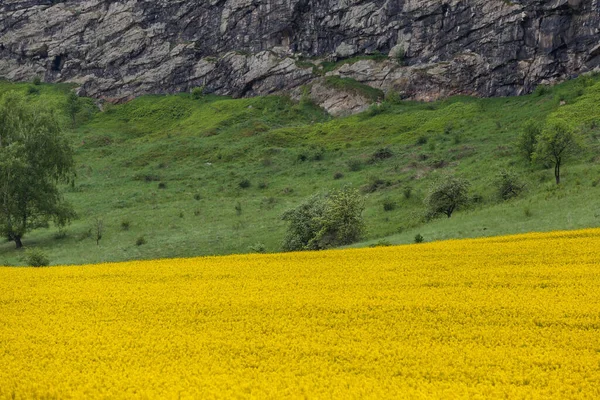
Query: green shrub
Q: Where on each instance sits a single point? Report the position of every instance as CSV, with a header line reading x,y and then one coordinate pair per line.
x,y
541,90
382,154
389,205
302,157
338,175
508,185
315,154
244,184
36,258
374,184
376,109
318,155
419,238
354,165
198,93
393,97
140,241
325,221
305,97
33,90
125,225
37,80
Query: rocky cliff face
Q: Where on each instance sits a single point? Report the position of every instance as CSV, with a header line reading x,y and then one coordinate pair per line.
x,y
123,48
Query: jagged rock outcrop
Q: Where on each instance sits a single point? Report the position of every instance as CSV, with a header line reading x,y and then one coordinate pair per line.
x,y
119,49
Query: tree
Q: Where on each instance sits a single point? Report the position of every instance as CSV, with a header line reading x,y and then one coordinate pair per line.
x,y
555,145
97,229
303,223
528,139
73,107
342,221
34,158
325,221
446,195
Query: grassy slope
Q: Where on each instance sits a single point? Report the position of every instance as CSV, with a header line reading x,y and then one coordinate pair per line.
x,y
202,149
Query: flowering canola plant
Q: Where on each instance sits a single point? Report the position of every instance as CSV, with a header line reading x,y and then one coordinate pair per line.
x,y
507,317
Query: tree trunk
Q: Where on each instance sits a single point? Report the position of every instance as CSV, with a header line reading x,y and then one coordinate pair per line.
x,y
557,173
18,242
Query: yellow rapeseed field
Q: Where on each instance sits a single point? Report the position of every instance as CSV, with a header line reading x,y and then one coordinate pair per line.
x,y
508,317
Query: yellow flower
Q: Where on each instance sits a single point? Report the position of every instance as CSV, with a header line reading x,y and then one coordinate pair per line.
x,y
507,317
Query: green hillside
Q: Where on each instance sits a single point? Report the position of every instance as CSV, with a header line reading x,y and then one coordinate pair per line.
x,y
183,175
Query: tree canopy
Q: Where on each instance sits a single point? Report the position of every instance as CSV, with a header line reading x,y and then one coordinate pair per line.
x,y
325,221
555,144
34,157
446,195
528,139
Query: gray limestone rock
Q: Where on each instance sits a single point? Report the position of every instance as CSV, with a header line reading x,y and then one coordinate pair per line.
x,y
119,49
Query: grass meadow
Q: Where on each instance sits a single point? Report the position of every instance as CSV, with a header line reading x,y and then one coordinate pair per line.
x,y
180,176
